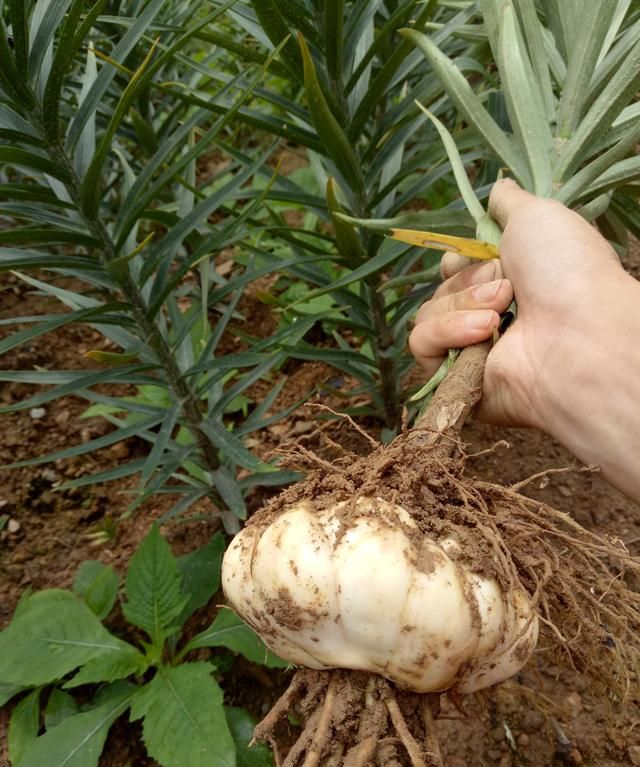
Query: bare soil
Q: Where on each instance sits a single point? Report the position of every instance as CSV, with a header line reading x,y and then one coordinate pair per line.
x,y
577,726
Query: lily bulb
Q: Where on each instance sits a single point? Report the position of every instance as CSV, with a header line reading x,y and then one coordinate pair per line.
x,y
358,586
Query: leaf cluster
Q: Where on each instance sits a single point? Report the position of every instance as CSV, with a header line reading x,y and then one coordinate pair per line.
x,y
57,645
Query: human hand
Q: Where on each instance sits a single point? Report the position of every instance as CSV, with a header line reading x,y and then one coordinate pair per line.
x,y
563,275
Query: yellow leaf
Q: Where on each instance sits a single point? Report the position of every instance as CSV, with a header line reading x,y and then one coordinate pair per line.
x,y
462,245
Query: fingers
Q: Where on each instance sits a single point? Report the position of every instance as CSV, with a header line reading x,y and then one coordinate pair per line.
x,y
452,263
429,341
505,199
464,311
459,282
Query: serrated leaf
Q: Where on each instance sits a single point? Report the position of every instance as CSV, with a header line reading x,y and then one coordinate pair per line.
x,y
60,706
79,739
24,725
98,585
241,724
227,630
184,721
200,573
53,635
127,662
154,588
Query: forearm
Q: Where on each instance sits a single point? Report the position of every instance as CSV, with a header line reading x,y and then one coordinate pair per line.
x,y
595,407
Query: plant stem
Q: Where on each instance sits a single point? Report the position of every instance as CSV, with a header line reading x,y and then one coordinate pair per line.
x,y
382,342
454,400
190,404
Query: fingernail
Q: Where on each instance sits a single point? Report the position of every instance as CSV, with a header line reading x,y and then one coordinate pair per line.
x,y
479,320
487,291
486,272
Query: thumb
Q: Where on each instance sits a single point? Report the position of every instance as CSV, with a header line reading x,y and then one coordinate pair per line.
x,y
505,199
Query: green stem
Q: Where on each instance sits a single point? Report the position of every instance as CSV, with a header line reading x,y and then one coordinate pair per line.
x,y
191,405
386,363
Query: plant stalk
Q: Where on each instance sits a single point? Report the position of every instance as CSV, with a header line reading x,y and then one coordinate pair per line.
x,y
382,342
188,401
454,400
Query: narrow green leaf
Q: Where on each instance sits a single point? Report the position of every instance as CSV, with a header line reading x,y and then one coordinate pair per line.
x,y
91,192
464,185
248,754
101,85
586,44
620,173
227,485
10,79
32,235
227,630
349,245
471,107
200,573
334,38
331,134
184,721
561,18
533,32
577,186
87,447
78,740
619,91
60,706
62,319
232,447
70,39
98,586
23,726
445,221
52,636
153,588
161,443
525,103
277,29
21,158
19,26
385,76
45,32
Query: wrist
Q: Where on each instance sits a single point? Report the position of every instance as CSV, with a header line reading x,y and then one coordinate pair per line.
x,y
591,387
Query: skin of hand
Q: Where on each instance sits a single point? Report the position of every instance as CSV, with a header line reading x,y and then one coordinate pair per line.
x,y
570,363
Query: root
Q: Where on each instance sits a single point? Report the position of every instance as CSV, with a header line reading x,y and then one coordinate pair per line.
x,y
357,719
584,587
319,739
408,741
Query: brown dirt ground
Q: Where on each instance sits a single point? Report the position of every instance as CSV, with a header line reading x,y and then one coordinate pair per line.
x,y
54,538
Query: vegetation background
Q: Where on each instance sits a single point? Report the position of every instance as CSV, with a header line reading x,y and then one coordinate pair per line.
x,y
178,280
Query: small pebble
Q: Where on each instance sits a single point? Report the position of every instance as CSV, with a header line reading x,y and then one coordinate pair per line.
x,y
13,525
37,413
575,757
573,704
532,722
634,754
523,739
